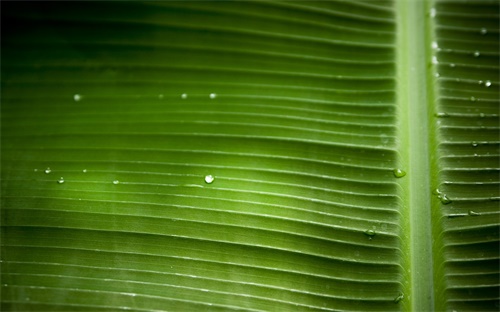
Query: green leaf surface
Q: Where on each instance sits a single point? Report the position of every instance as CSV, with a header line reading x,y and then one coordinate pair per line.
x,y
250,155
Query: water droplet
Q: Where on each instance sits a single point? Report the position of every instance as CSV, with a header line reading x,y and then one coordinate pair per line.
x,y
77,97
399,173
160,96
399,297
370,233
444,199
477,53
209,179
436,191
384,138
441,115
473,99
473,213
481,115
474,144
116,182
434,45
61,180
36,170
434,60
47,171
487,84
184,96
436,75
433,12
213,95
452,65
480,82
476,155
84,170
483,31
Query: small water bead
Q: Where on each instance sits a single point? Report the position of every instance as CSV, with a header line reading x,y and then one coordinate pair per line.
x,y
452,65
487,84
399,298
434,45
436,75
399,173
370,233
160,96
184,96
36,170
61,180
476,155
441,115
209,179
433,12
474,144
116,182
213,95
84,170
77,97
482,115
444,199
436,191
473,213
473,99
480,82
435,60
477,53
483,31
47,171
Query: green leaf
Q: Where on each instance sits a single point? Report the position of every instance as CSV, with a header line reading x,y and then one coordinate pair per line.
x,y
250,155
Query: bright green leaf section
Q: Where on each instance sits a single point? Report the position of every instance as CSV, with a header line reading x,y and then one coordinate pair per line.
x,y
466,108
115,113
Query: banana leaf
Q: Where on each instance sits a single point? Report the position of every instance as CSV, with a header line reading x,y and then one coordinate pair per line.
x,y
250,155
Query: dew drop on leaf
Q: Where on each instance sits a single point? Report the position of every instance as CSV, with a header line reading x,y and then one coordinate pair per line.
x,y
441,115
160,96
184,96
209,179
436,191
483,31
116,182
474,144
444,199
77,97
47,171
473,99
84,170
213,95
399,298
477,53
473,213
370,233
61,180
487,84
399,173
